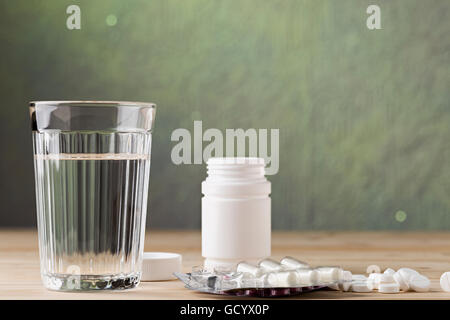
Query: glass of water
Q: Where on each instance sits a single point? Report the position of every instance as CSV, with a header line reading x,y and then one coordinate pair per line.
x,y
92,166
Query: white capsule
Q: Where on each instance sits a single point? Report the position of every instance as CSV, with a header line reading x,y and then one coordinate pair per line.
x,y
445,281
292,263
360,286
334,286
252,282
389,288
374,280
307,277
345,283
404,286
345,286
346,276
419,283
359,277
282,279
407,273
371,285
389,271
249,269
329,274
386,278
269,265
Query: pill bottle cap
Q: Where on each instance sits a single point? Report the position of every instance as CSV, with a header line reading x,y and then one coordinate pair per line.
x,y
157,266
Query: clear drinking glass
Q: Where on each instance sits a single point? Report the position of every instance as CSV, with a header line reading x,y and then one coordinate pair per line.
x,y
92,166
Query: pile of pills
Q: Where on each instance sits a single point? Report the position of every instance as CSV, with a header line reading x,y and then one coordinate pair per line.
x,y
390,281
270,278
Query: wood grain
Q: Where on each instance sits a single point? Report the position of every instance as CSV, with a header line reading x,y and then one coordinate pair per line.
x,y
428,253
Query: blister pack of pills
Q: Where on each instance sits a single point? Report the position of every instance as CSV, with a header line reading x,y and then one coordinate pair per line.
x,y
268,278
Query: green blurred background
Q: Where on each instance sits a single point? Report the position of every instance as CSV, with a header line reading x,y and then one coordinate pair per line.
x,y
364,116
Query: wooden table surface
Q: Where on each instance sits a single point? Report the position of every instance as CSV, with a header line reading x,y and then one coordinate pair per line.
x,y
428,253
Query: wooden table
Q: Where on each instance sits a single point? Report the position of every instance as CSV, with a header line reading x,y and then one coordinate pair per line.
x,y
428,253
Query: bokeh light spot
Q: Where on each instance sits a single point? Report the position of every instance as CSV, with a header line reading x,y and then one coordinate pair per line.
x,y
400,216
111,20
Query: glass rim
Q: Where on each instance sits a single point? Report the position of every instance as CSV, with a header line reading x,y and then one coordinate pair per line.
x,y
88,103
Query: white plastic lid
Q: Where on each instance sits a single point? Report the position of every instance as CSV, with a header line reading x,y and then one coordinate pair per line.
x,y
157,266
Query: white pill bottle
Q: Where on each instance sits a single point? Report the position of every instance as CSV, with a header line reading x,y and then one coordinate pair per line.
x,y
236,221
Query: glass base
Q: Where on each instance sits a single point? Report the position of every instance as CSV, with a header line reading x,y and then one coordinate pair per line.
x,y
66,282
